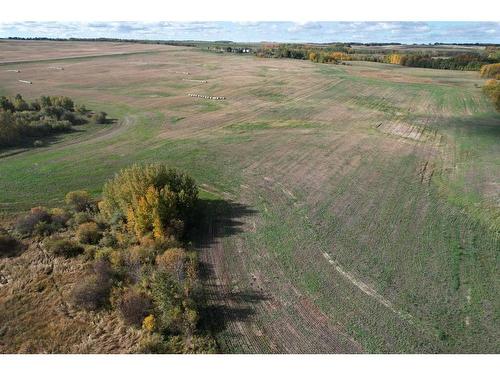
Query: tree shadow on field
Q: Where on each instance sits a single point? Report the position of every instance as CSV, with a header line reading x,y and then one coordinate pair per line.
x,y
217,218
36,143
223,304
45,141
221,308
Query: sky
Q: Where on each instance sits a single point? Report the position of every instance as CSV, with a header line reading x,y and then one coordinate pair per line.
x,y
319,32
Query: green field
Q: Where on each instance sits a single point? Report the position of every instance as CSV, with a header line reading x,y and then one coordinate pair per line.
x,y
356,207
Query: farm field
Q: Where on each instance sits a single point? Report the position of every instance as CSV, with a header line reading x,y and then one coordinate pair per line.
x,y
355,208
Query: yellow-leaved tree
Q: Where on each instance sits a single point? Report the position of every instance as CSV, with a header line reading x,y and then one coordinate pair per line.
x,y
152,198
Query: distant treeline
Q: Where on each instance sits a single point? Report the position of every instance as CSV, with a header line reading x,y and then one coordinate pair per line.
x,y
26,123
229,42
406,55
335,53
467,61
183,43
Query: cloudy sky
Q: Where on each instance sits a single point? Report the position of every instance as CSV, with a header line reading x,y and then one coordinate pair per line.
x,y
402,32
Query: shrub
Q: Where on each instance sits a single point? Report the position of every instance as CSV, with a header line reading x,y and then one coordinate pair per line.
x,y
89,252
134,307
8,244
80,200
103,270
92,293
104,254
27,223
81,109
82,217
118,262
64,247
59,216
149,323
108,240
168,300
492,89
200,345
154,344
99,118
172,261
42,228
490,71
88,233
141,254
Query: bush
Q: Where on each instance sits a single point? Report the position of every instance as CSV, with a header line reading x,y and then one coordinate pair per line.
x,y
104,254
108,240
200,345
99,118
492,89
490,71
59,216
141,254
149,323
117,258
88,233
80,200
82,110
8,244
63,247
169,302
154,344
43,228
92,294
134,307
103,270
27,224
82,217
172,261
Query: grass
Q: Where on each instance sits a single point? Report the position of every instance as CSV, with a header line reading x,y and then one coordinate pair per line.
x,y
319,183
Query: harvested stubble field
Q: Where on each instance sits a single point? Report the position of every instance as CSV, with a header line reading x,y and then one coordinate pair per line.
x,y
354,208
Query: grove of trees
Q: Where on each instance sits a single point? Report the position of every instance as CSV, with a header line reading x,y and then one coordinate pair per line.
x,y
26,123
331,54
133,243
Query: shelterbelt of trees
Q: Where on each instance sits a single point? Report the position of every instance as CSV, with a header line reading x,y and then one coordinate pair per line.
x,y
27,123
346,52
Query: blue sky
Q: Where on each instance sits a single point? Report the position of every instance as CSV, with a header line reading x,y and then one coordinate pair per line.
x,y
402,32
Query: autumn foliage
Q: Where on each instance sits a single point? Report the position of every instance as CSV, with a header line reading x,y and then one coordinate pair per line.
x,y
490,71
152,198
492,89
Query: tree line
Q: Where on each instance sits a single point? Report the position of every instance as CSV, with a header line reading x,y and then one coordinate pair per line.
x,y
336,53
468,61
